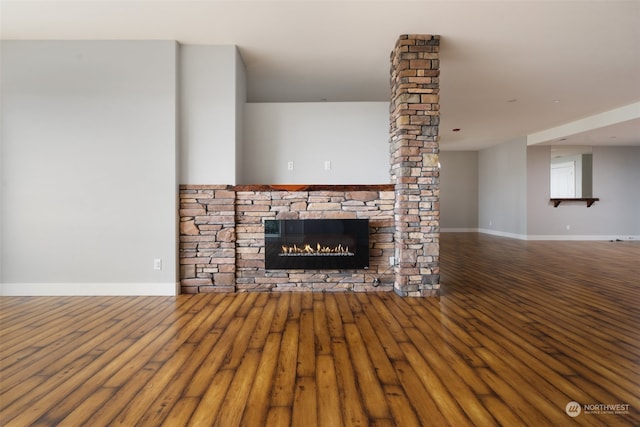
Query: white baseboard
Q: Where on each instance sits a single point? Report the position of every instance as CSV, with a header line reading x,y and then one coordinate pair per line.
x,y
88,289
582,237
503,234
566,237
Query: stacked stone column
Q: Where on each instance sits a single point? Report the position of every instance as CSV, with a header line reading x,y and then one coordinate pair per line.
x,y
414,121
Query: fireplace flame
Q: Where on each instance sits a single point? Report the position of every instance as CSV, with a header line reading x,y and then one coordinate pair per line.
x,y
308,249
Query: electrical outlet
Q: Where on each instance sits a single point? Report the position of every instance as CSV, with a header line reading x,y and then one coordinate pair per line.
x,y
392,260
290,165
157,264
327,165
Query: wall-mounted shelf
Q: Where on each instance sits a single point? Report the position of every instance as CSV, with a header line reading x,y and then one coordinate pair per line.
x,y
589,200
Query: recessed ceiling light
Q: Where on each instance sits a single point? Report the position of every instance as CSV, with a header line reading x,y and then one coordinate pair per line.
x,y
556,101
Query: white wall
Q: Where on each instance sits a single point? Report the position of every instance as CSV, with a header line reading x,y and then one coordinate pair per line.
x,y
240,102
210,86
88,167
616,180
459,190
502,174
353,136
616,174
516,199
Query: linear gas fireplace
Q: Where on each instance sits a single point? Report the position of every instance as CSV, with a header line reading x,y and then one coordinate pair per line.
x,y
316,244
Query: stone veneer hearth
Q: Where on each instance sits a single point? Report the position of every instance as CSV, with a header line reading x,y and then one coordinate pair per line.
x,y
222,236
221,227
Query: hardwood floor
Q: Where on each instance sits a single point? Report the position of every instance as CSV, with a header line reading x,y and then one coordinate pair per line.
x,y
521,329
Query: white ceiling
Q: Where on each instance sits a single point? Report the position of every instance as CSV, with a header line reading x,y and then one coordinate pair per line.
x,y
508,68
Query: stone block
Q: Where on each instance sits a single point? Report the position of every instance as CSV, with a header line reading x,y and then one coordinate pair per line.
x,y
190,204
287,215
430,160
429,98
255,208
186,238
225,194
345,214
217,204
353,204
244,263
221,260
227,268
362,196
187,271
196,282
226,235
430,279
248,250
297,195
312,215
189,228
319,286
216,289
195,260
209,227
409,98
421,120
403,120
222,279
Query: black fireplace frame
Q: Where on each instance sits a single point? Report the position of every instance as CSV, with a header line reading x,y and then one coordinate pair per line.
x,y
353,233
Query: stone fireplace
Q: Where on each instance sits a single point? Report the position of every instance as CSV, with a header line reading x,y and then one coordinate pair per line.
x,y
316,244
222,236
222,228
